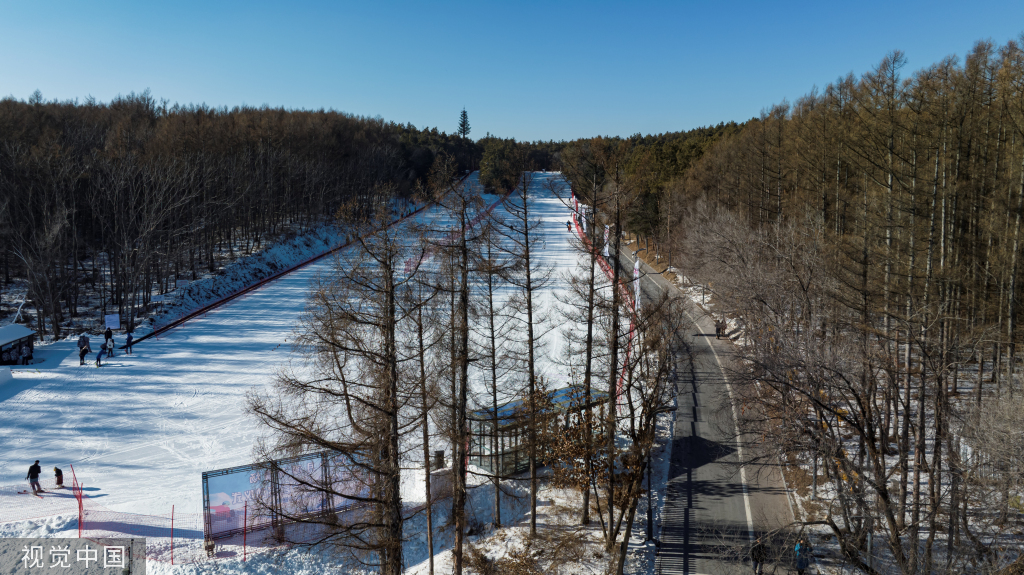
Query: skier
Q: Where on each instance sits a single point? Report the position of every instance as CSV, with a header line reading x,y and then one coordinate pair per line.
x,y
128,343
108,335
110,347
568,226
99,356
58,476
33,477
83,348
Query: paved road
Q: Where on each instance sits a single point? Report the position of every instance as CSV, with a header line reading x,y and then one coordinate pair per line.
x,y
714,507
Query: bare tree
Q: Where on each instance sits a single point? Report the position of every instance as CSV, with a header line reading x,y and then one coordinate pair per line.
x,y
456,248
349,394
529,276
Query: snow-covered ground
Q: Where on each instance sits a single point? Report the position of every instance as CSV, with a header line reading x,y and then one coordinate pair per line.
x,y
141,429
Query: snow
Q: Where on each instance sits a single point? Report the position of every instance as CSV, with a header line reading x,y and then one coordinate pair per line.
x,y
140,430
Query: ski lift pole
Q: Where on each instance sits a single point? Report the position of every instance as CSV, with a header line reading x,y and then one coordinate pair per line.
x,y
172,534
245,522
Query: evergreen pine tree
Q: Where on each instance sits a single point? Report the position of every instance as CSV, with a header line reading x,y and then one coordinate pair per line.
x,y
464,123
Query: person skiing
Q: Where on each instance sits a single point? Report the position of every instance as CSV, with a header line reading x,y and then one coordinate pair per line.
x,y
58,477
128,343
99,356
568,226
108,335
759,556
33,477
110,347
83,348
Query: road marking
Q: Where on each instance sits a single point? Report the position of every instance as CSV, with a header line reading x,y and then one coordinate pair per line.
x,y
735,420
736,426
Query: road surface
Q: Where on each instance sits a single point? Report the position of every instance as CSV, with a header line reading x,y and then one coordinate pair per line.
x,y
714,508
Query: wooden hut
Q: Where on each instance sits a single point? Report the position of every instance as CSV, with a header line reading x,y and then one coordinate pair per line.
x,y
505,450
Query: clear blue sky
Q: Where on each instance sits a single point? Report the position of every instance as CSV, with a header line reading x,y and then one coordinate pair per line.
x,y
529,70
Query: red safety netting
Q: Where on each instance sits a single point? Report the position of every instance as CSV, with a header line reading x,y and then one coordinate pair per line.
x,y
626,295
174,537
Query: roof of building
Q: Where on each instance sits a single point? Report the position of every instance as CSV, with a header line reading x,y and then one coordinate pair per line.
x,y
562,398
14,332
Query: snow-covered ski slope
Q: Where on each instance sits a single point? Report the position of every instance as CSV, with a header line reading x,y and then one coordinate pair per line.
x,y
143,428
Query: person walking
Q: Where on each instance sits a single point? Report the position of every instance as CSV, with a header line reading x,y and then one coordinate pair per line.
x,y
58,477
128,343
759,556
33,477
24,355
803,556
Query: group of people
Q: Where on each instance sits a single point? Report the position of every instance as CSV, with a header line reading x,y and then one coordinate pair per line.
x,y
33,478
20,355
721,329
760,555
106,350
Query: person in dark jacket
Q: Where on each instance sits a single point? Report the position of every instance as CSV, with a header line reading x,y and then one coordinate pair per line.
x,y
33,477
58,477
128,343
99,356
759,556
108,335
83,348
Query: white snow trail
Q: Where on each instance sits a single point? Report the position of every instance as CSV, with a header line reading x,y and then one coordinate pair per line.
x,y
141,429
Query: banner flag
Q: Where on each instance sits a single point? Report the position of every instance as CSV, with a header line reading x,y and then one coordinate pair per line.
x,y
113,321
607,230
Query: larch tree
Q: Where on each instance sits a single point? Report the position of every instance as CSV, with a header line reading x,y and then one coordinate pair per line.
x,y
349,393
529,276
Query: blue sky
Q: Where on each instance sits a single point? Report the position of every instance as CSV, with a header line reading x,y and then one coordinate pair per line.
x,y
529,70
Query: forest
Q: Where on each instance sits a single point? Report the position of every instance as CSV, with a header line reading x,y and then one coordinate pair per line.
x,y
867,238
110,203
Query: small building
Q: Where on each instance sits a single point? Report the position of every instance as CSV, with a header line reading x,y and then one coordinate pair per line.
x,y
506,450
15,340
